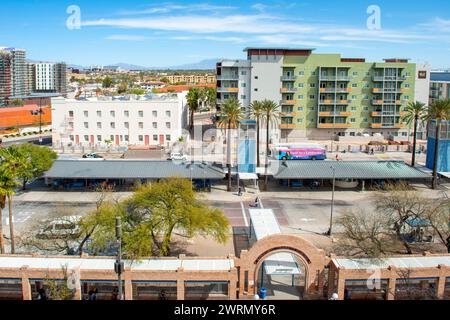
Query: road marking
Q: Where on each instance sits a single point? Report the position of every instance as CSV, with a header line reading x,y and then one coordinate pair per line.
x,y
244,214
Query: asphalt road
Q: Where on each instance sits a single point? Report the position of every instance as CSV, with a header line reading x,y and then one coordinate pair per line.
x,y
46,141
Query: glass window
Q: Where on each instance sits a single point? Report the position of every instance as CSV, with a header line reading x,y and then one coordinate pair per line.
x,y
112,113
71,125
155,125
126,114
127,138
155,113
113,125
126,125
141,138
141,113
86,113
141,125
71,114
168,137
99,138
99,125
301,73
168,125
243,84
86,138
99,113
168,114
86,125
155,137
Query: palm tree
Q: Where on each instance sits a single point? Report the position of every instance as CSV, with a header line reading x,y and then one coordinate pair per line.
x,y
3,193
270,114
230,116
256,112
211,97
438,111
414,112
192,98
13,160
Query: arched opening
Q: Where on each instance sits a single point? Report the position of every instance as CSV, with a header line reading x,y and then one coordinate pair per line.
x,y
283,273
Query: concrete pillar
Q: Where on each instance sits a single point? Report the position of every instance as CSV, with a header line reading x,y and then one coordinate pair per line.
x,y
251,283
128,292
232,284
340,287
180,289
26,287
390,294
440,290
241,281
331,279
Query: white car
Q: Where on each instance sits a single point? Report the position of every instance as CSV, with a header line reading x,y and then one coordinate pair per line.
x,y
61,228
178,156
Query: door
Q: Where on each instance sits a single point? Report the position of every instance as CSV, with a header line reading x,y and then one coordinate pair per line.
x,y
77,139
161,139
147,140
117,140
92,139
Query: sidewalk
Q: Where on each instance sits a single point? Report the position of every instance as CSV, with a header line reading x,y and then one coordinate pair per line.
x,y
70,197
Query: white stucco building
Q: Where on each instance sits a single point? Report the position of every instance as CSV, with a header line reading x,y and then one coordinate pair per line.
x,y
122,121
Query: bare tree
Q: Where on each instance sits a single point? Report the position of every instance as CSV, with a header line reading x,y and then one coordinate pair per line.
x,y
408,289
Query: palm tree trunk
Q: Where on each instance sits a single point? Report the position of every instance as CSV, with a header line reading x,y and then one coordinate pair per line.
x,y
266,181
436,153
258,160
413,160
2,244
192,120
11,224
229,156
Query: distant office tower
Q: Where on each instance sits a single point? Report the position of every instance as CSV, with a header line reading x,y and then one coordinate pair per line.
x,y
325,95
13,74
48,77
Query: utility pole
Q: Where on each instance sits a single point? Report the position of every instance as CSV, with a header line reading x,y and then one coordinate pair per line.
x,y
118,266
332,201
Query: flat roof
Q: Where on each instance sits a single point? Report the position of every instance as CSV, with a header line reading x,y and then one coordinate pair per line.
x,y
399,262
108,263
279,48
440,76
132,169
310,169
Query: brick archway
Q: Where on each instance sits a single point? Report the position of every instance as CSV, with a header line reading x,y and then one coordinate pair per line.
x,y
313,258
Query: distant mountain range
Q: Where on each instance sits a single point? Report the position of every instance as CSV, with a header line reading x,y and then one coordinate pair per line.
x,y
208,64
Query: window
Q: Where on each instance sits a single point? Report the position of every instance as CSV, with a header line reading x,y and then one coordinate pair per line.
x,y
111,137
300,108
299,120
113,125
99,138
355,85
301,85
366,85
366,108
352,120
155,113
99,113
301,73
99,125
71,114
300,97
126,114
406,85
365,120
168,137
311,108
243,96
256,77
256,89
112,113
127,138
313,73
366,97
86,114
71,125
140,138
353,108
352,134
355,73
312,97
168,125
126,125
155,125
71,138
243,84
141,125
312,85
168,114
155,137
86,125
86,138
404,134
243,73
141,114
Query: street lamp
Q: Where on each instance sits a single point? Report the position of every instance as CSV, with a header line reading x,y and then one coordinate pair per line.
x,y
118,265
332,201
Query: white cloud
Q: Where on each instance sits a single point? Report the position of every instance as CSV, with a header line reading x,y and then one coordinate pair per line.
x,y
259,7
168,7
123,37
438,25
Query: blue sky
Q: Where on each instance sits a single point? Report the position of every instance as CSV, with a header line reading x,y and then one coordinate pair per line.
x,y
159,33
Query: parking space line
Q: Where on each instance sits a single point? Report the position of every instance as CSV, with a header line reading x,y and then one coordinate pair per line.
x,y
244,214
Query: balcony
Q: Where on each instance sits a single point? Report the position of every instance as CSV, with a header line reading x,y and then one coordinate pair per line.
x,y
228,77
386,125
335,78
333,102
389,90
229,89
334,125
288,90
288,102
287,126
335,114
288,114
388,78
333,90
288,78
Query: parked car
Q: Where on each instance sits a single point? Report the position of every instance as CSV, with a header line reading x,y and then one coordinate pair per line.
x,y
178,156
92,155
61,228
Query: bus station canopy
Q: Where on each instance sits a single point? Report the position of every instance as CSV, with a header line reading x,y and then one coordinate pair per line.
x,y
132,169
263,224
310,169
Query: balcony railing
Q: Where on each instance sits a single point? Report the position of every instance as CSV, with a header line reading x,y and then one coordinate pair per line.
x,y
388,90
288,102
335,78
287,126
332,90
229,89
288,114
288,78
228,77
334,125
388,78
386,125
332,102
288,90
335,114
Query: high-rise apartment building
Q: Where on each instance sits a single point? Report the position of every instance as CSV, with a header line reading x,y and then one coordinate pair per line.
x,y
48,77
323,95
13,74
439,86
